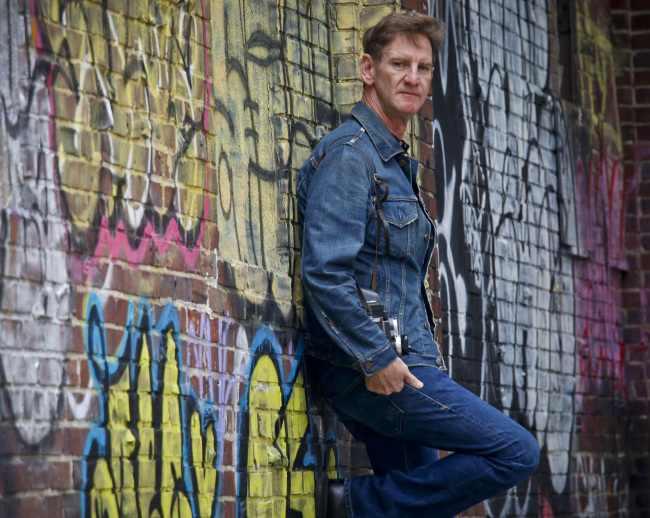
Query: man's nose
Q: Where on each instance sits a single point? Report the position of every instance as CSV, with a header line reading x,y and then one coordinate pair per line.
x,y
412,75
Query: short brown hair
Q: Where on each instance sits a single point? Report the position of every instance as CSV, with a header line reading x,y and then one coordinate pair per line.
x,y
409,24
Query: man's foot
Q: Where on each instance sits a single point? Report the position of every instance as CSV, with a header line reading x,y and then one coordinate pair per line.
x,y
330,498
335,499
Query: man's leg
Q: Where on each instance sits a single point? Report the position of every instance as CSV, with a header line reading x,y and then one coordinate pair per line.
x,y
491,452
390,453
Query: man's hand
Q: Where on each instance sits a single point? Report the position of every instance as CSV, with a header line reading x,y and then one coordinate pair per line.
x,y
391,379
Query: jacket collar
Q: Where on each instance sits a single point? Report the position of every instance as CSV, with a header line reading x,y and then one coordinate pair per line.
x,y
385,142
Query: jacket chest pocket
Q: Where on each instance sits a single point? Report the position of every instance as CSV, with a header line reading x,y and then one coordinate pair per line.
x,y
401,216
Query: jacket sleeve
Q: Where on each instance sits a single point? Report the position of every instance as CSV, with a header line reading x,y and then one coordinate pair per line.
x,y
334,229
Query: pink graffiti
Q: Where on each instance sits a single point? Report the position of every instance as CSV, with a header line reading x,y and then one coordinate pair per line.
x,y
119,248
597,291
116,242
544,505
201,345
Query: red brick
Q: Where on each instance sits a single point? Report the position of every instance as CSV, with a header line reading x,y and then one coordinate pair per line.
x,y
640,41
641,77
228,484
227,509
74,439
50,475
235,305
426,130
626,114
640,22
632,300
426,155
426,111
643,115
642,96
628,132
638,5
643,132
428,181
621,21
226,275
414,5
625,95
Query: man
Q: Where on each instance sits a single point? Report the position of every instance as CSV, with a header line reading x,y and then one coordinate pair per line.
x,y
363,225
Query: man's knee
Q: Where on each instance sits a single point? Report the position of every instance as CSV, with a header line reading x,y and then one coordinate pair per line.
x,y
529,457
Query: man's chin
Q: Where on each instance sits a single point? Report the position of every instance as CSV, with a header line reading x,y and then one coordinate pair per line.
x,y
411,105
410,110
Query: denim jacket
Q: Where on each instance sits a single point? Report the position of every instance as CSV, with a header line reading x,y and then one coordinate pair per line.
x,y
336,202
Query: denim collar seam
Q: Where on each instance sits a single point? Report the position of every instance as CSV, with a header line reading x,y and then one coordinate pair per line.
x,y
385,143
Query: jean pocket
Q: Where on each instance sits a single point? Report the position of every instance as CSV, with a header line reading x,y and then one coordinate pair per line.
x,y
401,216
345,390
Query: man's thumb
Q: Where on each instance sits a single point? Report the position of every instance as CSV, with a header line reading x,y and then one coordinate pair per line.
x,y
413,381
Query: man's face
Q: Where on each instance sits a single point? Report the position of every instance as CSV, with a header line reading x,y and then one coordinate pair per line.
x,y
402,76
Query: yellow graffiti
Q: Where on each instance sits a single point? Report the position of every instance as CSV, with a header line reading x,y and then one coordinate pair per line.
x,y
275,435
130,97
142,472
597,70
247,54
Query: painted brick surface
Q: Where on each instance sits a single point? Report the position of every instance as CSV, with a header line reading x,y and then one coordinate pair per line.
x,y
151,353
534,167
634,111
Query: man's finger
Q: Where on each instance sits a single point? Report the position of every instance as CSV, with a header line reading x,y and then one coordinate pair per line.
x,y
413,381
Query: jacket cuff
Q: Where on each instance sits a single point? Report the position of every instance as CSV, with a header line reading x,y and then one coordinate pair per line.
x,y
378,360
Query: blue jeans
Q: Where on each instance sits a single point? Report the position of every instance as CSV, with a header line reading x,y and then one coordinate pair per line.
x,y
402,433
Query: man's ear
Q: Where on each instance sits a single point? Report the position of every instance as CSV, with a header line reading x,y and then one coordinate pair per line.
x,y
367,70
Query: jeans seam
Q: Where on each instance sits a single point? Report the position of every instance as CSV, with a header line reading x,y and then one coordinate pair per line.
x,y
406,459
488,429
345,391
441,405
348,500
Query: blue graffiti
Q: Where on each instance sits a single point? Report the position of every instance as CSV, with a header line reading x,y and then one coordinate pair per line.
x,y
107,370
265,345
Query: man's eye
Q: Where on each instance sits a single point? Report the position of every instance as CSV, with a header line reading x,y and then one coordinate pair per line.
x,y
398,64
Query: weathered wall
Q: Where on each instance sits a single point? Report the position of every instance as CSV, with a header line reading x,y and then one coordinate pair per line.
x,y
150,344
631,36
531,210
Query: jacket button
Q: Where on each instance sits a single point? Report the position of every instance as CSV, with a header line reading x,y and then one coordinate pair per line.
x,y
402,163
369,366
426,237
426,326
438,362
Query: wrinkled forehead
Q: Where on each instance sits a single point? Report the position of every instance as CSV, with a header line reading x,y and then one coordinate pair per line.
x,y
410,39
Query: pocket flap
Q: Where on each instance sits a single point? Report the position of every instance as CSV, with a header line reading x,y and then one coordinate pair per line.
x,y
400,212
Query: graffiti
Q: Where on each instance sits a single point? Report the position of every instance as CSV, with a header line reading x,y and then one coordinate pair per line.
x,y
508,199
114,146
244,108
154,451
34,281
161,438
276,462
148,109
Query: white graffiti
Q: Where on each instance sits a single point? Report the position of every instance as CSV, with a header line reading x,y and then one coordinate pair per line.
x,y
34,284
506,281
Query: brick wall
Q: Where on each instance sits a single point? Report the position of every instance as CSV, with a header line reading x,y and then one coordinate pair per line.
x,y
150,341
531,141
631,33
